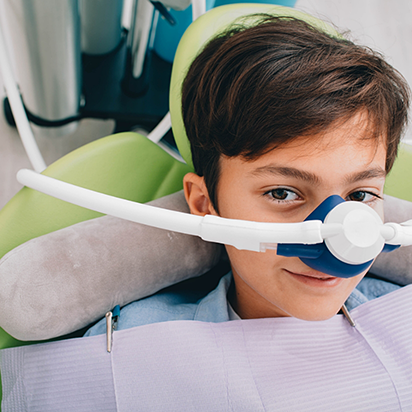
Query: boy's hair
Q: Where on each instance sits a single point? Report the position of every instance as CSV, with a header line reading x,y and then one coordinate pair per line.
x,y
252,89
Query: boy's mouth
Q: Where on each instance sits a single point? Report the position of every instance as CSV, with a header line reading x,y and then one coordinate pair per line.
x,y
316,279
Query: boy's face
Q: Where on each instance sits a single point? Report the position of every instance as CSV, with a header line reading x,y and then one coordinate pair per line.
x,y
286,185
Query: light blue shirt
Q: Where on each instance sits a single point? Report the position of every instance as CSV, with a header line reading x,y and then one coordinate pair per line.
x,y
212,306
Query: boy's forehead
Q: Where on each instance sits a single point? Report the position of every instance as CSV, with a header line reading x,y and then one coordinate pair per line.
x,y
358,131
348,148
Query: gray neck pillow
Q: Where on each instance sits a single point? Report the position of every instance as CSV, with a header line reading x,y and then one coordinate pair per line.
x,y
63,281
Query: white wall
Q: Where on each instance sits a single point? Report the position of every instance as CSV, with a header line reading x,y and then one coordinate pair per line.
x,y
384,25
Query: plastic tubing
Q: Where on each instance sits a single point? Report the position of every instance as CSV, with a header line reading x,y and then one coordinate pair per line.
x,y
114,206
241,234
401,233
198,8
161,129
17,107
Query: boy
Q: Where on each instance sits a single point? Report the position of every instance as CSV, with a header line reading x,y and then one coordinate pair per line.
x,y
280,116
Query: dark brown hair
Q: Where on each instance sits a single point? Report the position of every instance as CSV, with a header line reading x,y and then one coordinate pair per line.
x,y
253,89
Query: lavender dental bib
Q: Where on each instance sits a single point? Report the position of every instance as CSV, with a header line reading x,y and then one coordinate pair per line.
x,y
281,364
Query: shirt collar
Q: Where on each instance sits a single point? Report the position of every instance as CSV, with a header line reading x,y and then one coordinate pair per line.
x,y
214,306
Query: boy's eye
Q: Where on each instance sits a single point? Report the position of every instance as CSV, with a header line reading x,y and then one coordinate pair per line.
x,y
282,194
362,196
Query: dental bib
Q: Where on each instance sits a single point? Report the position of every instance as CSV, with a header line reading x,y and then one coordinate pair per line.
x,y
281,364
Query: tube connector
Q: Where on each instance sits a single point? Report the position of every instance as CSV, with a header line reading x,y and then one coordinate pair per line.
x,y
256,236
402,233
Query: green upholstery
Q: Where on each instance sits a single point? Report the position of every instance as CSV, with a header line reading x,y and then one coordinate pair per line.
x,y
398,182
125,165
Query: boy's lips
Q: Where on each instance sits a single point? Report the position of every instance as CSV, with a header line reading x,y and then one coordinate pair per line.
x,y
316,279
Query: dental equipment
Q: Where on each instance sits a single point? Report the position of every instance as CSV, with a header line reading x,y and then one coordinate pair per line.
x,y
22,123
18,110
338,238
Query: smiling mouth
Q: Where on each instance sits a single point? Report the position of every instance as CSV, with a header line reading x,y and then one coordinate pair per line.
x,y
315,279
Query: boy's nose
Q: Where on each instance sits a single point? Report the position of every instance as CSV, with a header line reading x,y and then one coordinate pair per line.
x,y
348,252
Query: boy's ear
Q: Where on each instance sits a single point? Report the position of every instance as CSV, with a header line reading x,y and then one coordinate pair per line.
x,y
197,196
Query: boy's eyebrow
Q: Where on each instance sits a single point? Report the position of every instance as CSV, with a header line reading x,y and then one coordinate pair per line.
x,y
375,172
288,172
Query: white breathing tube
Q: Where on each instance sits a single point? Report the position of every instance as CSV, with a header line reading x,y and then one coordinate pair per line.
x,y
17,107
353,229
255,236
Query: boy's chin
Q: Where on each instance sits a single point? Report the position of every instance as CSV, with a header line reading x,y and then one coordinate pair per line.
x,y
319,318
318,315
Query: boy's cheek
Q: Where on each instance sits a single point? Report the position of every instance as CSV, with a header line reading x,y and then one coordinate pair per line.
x,y
264,273
246,259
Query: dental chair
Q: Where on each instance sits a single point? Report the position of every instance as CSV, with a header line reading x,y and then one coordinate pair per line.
x,y
129,166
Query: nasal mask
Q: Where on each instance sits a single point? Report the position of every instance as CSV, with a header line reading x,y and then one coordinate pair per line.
x,y
338,238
